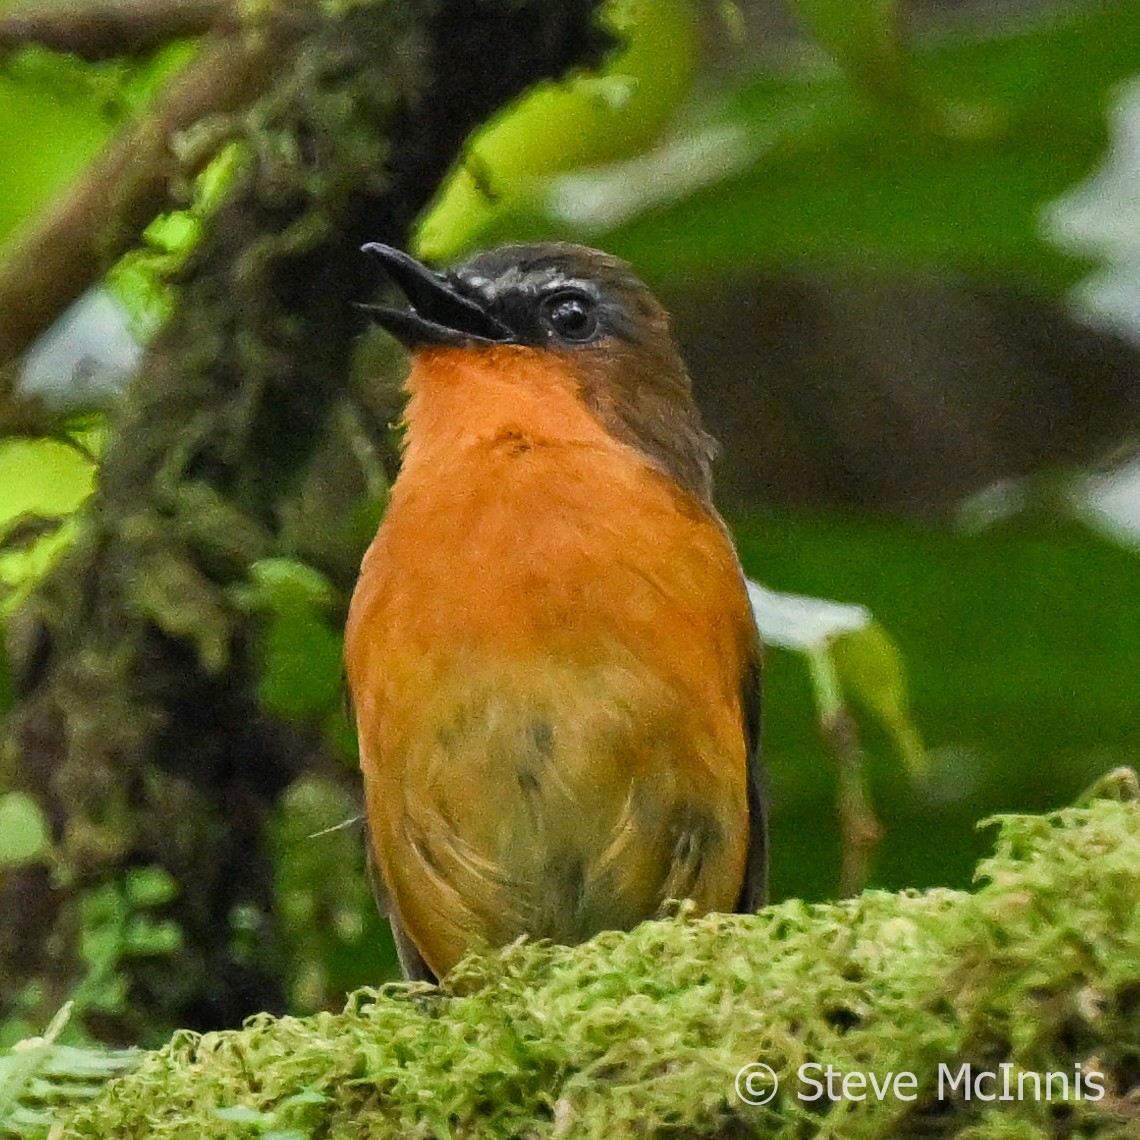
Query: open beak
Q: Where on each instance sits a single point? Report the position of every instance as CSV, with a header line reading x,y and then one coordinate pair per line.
x,y
438,312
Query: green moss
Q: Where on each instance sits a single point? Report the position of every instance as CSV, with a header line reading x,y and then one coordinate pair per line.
x,y
644,1033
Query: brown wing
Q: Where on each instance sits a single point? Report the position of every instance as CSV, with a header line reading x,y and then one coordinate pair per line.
x,y
412,964
754,892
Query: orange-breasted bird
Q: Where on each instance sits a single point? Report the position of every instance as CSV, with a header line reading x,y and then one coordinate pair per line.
x,y
550,650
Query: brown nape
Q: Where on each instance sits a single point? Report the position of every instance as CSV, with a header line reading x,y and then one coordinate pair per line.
x,y
638,388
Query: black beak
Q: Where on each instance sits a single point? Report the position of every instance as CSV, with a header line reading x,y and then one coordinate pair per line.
x,y
439,313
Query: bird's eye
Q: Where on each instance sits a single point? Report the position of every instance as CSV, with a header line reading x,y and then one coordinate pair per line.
x,y
571,315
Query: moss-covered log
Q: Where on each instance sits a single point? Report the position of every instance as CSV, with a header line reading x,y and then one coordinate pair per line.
x,y
644,1034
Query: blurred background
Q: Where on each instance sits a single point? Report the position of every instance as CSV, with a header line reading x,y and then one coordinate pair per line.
x,y
901,245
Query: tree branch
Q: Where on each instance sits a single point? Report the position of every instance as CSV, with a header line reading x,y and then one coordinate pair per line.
x,y
97,31
663,1031
102,216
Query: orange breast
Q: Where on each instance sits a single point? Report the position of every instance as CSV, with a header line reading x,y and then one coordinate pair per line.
x,y
545,650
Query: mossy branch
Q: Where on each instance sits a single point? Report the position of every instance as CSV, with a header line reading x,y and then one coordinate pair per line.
x,y
644,1034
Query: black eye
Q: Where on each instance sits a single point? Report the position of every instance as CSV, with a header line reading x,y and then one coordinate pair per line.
x,y
572,316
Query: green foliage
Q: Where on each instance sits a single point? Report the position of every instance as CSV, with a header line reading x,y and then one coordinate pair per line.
x,y
642,1034
140,279
848,655
42,483
870,669
556,127
117,924
39,1076
42,477
1021,646
866,38
1022,649
24,835
36,106
816,166
301,643
120,921
334,937
48,96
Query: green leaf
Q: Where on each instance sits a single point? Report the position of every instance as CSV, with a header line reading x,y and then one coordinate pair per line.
x,y
56,112
140,280
34,172
849,656
23,1062
24,833
302,664
277,584
870,670
300,647
41,477
40,480
150,886
145,938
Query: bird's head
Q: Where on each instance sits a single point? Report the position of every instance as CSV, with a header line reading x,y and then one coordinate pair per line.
x,y
584,307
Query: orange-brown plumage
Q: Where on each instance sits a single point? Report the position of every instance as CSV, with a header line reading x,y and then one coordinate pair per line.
x,y
550,652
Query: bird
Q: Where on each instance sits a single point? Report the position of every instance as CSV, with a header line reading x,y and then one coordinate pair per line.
x,y
550,652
